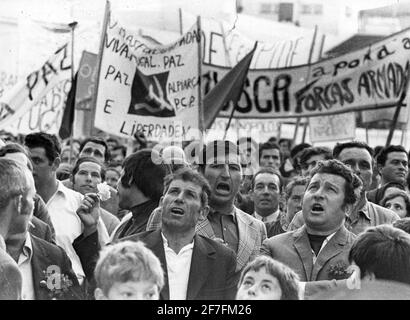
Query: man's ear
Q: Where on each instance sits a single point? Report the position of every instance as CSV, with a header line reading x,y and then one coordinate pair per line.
x,y
161,201
56,163
203,213
17,203
348,209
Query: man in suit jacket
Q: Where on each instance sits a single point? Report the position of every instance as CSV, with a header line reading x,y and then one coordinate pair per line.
x,y
195,267
34,256
10,276
239,231
319,250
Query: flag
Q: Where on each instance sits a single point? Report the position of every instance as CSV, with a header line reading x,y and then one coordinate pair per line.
x,y
226,90
67,121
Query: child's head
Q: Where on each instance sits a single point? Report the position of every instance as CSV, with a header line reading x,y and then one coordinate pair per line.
x,y
128,271
267,279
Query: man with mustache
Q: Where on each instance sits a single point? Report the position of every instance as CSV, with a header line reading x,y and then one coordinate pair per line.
x,y
359,157
392,164
323,243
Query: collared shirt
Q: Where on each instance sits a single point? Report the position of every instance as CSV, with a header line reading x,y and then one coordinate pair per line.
x,y
24,263
178,268
62,207
369,215
273,217
225,227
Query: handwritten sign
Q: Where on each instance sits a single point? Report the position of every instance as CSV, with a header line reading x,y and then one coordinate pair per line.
x,y
332,128
18,101
143,87
374,77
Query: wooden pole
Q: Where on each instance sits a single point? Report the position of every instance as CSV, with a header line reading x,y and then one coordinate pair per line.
x,y
395,117
181,26
99,60
72,25
201,120
312,47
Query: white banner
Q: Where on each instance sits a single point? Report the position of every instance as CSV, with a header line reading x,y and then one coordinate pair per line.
x,y
332,128
148,88
374,77
18,101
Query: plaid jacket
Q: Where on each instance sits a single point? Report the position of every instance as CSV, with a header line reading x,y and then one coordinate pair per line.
x,y
251,232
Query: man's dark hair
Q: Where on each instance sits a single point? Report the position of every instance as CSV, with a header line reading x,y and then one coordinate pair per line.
x,y
299,147
315,151
44,140
189,175
340,169
88,159
142,172
403,224
382,190
353,144
268,146
216,147
97,140
384,251
270,171
382,157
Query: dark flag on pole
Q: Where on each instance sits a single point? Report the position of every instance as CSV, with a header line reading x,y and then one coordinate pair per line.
x,y
66,127
226,90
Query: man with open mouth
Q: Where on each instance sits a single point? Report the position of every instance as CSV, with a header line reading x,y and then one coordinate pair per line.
x,y
196,267
359,157
239,231
323,242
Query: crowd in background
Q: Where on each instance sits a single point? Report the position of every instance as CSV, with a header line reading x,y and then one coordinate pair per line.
x,y
243,220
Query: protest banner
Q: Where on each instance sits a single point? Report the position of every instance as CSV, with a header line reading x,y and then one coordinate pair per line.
x,y
226,46
259,129
8,54
142,87
33,101
373,77
333,127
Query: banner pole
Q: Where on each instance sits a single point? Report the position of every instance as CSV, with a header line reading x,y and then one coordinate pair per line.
x,y
99,61
72,25
395,118
181,29
201,120
312,47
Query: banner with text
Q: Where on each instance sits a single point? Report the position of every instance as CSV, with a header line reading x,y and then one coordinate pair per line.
x,y
142,87
38,94
373,77
332,128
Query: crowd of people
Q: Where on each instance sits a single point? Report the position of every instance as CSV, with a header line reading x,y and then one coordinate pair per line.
x,y
93,219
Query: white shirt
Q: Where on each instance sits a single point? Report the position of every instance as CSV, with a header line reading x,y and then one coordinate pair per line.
x,y
178,267
24,263
62,207
270,218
